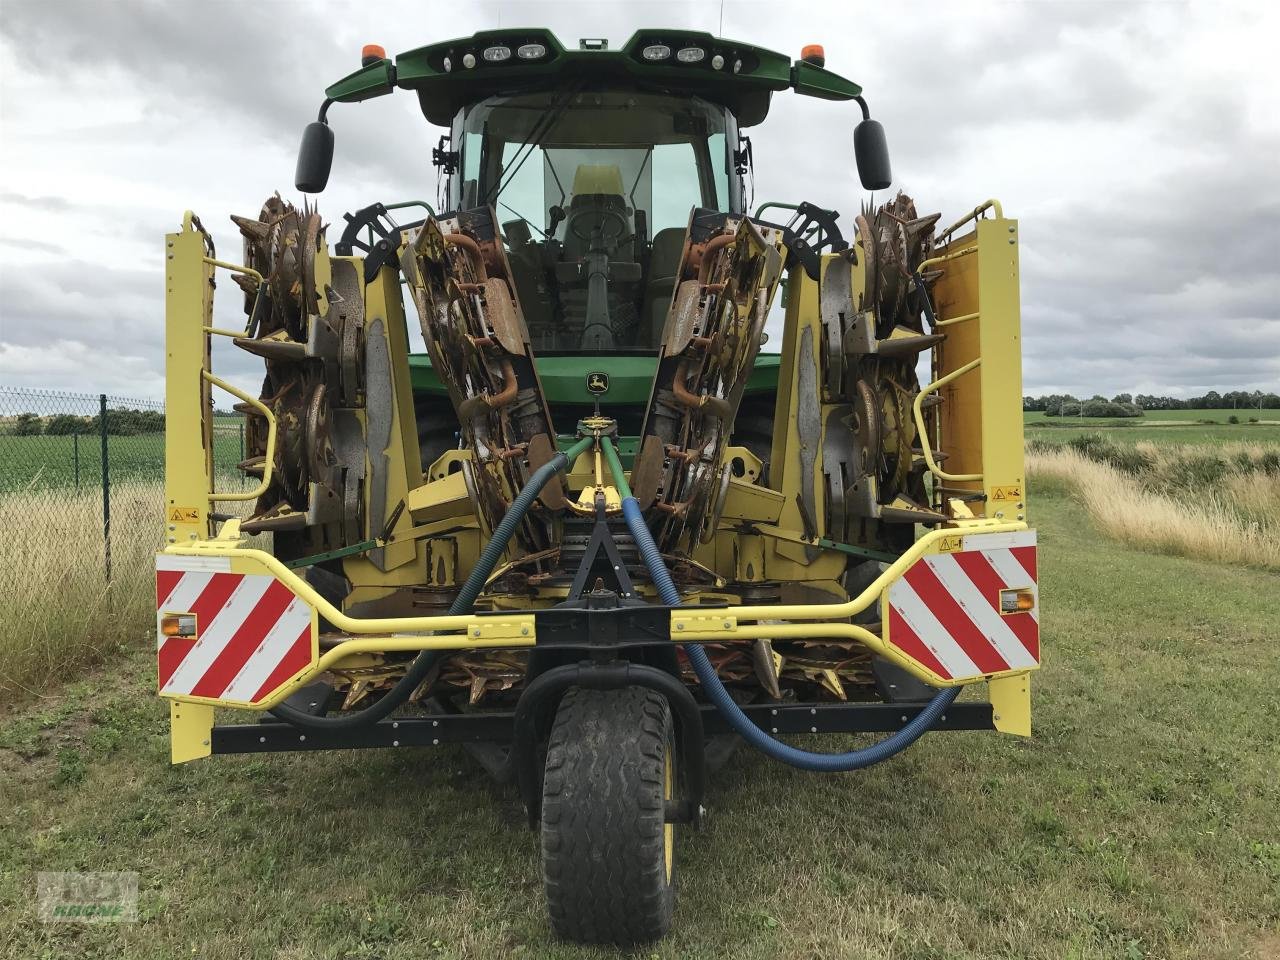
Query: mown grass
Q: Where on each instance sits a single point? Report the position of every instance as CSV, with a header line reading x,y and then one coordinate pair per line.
x,y
1141,821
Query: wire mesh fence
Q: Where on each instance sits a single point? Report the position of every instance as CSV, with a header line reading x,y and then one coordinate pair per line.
x,y
82,472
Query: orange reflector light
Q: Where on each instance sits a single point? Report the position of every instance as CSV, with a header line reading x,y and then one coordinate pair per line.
x,y
178,625
372,53
814,54
1017,601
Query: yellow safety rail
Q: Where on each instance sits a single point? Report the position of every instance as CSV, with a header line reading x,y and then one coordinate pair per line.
x,y
917,411
189,310
269,460
724,623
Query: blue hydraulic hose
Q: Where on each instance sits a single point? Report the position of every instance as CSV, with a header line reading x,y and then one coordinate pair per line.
x,y
733,715
417,671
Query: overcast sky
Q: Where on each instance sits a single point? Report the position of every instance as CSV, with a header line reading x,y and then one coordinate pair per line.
x,y
1137,143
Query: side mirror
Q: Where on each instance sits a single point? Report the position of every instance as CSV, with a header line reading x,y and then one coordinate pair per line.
x,y
872,153
315,158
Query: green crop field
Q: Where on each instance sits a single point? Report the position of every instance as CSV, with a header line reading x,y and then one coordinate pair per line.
x,y
1163,426
1142,820
55,462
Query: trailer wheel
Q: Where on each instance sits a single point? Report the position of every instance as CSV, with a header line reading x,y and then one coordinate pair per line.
x,y
607,850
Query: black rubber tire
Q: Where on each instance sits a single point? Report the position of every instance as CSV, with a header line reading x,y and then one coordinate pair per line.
x,y
605,863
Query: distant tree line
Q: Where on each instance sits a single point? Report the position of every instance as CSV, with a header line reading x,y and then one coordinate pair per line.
x,y
120,423
1127,405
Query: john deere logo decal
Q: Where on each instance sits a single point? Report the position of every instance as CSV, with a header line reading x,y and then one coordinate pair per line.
x,y
597,383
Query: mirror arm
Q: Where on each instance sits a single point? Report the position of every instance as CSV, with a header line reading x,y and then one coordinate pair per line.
x,y
866,111
323,116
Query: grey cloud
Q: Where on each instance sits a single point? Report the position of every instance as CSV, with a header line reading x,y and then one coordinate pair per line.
x,y
1149,207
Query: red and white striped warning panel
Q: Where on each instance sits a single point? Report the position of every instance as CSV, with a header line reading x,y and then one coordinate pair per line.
x,y
970,612
251,633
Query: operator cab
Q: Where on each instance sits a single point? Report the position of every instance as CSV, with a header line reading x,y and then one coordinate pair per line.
x,y
594,191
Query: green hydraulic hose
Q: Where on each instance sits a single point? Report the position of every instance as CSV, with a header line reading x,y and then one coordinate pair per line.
x,y
462,603
615,467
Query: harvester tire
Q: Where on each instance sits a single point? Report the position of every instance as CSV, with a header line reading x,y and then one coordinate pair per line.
x,y
607,850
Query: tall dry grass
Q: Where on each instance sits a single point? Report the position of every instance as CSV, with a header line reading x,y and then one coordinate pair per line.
x,y
1235,519
58,613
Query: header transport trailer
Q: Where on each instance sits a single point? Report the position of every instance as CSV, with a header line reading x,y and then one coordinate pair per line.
x,y
595,535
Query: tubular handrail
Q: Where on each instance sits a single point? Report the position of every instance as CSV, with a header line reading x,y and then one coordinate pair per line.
x,y
933,261
190,222
917,411
992,204
236,268
263,409
215,497
953,320
249,272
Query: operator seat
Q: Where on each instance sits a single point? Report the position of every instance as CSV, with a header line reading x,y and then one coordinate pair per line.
x,y
597,190
664,262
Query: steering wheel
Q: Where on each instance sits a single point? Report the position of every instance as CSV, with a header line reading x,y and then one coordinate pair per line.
x,y
600,220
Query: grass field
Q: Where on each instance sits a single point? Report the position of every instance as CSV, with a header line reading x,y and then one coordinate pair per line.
x,y
1163,426
60,462
1141,821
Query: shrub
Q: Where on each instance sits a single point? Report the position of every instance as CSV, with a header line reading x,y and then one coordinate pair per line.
x,y
1086,443
1197,471
1233,419
65,424
1109,408
128,423
1095,447
27,425
1128,459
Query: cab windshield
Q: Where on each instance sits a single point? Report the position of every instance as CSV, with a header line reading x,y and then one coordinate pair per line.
x,y
594,192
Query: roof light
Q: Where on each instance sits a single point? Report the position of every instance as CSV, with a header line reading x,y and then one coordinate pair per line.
x,y
468,60
531,51
813,53
448,64
737,66
371,54
717,62
497,54
656,51
691,55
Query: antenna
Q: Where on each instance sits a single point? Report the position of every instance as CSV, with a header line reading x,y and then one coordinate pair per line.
x,y
720,32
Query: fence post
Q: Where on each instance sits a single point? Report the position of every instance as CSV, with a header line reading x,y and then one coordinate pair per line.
x,y
106,484
75,457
